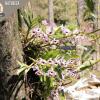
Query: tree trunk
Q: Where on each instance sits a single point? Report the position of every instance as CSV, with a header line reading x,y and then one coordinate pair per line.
x,y
50,12
10,53
97,26
98,14
80,11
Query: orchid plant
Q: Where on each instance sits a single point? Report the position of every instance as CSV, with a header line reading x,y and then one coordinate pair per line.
x,y
54,65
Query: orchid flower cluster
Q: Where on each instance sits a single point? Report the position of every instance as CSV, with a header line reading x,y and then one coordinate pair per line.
x,y
53,72
57,69
45,33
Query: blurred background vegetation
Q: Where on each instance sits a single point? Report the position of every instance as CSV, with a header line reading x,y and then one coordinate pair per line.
x,y
64,10
67,11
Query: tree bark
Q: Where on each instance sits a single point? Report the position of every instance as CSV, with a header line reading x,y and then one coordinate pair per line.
x,y
50,12
10,53
80,11
97,26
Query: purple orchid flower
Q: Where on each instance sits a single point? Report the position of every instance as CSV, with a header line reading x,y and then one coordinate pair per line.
x,y
45,22
65,30
51,73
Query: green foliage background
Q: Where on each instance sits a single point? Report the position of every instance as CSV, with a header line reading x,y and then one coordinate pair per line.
x,y
62,10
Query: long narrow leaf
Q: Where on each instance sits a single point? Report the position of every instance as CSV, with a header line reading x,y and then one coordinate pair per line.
x,y
87,64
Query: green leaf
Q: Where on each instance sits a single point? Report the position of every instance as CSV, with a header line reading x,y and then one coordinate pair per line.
x,y
87,64
51,82
87,55
58,35
51,54
48,81
58,30
26,21
21,70
21,64
59,71
72,26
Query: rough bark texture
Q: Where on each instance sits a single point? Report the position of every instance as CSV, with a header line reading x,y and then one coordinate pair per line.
x,y
80,11
10,53
97,26
50,11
